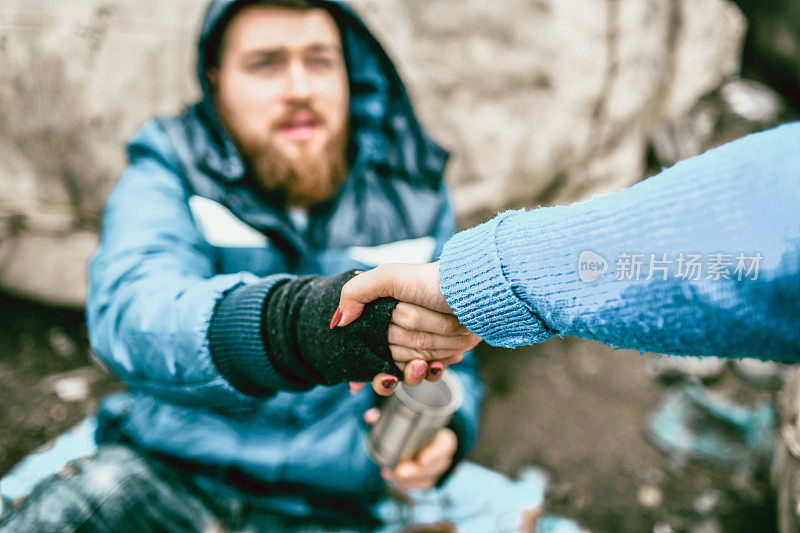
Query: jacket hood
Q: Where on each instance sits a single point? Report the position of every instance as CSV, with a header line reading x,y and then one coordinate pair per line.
x,y
384,130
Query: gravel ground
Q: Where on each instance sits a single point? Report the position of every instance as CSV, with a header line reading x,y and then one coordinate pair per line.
x,y
42,351
578,409
575,408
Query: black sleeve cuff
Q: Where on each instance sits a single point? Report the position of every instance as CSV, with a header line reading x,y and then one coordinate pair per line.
x,y
275,335
236,342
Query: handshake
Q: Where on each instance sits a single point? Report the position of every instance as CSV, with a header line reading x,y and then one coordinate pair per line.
x,y
424,335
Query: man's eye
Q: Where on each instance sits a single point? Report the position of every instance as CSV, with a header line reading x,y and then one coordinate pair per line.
x,y
320,62
264,64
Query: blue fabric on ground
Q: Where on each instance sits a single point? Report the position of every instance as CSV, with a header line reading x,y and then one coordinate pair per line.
x,y
556,524
475,499
72,444
692,422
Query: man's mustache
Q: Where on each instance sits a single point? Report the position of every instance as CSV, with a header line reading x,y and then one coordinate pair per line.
x,y
293,110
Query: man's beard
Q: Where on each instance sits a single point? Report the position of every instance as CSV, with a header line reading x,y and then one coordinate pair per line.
x,y
304,181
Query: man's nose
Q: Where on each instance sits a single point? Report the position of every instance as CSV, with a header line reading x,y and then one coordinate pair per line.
x,y
298,85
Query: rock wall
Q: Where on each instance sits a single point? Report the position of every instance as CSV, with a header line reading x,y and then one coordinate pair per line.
x,y
551,101
540,101
78,77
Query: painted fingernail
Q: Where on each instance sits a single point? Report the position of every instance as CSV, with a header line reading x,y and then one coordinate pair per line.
x,y
436,370
419,369
389,383
337,316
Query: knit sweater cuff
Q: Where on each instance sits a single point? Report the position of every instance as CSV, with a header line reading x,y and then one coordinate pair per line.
x,y
237,345
475,287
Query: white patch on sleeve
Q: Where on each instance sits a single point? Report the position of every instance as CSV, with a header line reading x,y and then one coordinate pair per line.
x,y
407,251
221,227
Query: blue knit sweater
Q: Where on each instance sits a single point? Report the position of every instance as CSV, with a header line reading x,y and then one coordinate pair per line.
x,y
702,259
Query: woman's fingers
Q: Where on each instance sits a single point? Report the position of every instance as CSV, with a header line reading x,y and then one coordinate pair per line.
x,y
451,360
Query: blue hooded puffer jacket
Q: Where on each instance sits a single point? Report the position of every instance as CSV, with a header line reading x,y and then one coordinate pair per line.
x,y
183,228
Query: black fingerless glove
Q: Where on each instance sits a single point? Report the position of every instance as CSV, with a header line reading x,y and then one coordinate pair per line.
x,y
303,348
293,347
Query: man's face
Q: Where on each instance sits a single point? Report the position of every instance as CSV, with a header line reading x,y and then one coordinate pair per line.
x,y
281,90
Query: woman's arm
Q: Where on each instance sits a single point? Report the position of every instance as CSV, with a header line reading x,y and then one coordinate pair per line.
x,y
526,276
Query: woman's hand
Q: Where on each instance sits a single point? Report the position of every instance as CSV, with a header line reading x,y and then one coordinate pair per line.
x,y
424,335
416,284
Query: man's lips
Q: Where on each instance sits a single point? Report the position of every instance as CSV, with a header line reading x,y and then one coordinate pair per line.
x,y
301,126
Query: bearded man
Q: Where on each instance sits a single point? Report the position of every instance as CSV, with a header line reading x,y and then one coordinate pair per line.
x,y
224,248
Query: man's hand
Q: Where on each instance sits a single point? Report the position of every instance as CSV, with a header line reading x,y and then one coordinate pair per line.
x,y
422,343
423,471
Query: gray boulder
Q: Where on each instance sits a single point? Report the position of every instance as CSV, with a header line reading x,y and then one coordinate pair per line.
x,y
540,101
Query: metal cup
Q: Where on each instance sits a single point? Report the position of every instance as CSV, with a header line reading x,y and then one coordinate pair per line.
x,y
411,417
